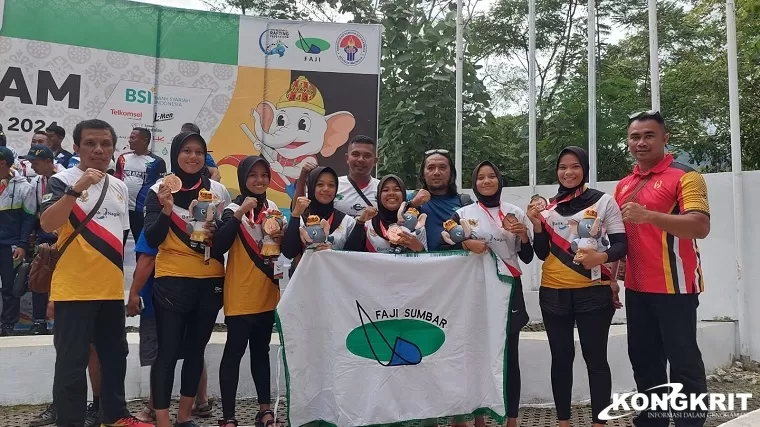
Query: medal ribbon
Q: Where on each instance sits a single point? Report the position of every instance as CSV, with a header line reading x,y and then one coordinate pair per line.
x,y
500,223
197,184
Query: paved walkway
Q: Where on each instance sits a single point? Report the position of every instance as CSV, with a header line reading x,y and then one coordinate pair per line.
x,y
19,416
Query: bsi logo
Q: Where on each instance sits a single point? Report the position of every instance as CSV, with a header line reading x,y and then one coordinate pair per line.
x,y
139,96
674,402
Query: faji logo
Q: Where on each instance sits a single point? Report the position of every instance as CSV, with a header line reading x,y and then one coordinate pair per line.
x,y
139,96
393,340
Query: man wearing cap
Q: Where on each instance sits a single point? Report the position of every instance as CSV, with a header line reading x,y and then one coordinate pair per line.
x,y
42,161
39,139
17,208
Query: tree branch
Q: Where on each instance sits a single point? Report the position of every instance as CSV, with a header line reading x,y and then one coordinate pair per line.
x,y
572,7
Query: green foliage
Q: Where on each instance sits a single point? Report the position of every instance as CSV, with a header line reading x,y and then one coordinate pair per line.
x,y
417,96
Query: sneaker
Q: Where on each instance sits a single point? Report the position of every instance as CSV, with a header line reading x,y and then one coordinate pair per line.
x,y
6,331
91,417
129,421
46,417
39,328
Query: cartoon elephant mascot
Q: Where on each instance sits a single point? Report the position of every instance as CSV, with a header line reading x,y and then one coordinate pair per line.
x,y
294,131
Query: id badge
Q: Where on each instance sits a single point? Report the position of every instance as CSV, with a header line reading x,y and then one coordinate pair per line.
x,y
596,273
278,269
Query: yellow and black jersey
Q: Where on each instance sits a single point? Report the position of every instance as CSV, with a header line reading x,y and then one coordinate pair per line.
x,y
176,257
91,268
250,285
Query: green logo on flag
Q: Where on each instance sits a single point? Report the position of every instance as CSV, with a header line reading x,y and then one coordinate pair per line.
x,y
311,45
395,341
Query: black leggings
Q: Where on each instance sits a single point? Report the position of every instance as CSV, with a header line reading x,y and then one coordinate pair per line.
x,y
591,308
254,330
513,375
183,330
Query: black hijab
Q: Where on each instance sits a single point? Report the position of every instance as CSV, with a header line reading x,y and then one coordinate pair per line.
x,y
385,216
323,210
183,197
570,201
244,169
493,200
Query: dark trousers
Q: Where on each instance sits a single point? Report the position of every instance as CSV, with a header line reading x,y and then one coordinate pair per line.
x,y
11,304
75,323
178,333
39,306
136,223
662,328
255,332
592,310
513,374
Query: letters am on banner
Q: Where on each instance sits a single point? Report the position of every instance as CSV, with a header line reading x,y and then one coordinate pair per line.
x,y
291,91
379,342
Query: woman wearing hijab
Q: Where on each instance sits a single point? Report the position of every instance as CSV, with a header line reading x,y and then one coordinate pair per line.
x,y
371,235
251,291
503,228
580,293
322,187
187,292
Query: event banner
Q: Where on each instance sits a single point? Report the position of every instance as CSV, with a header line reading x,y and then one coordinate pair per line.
x,y
377,345
292,91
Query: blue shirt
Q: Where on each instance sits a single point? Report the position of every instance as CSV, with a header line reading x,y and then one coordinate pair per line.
x,y
438,210
142,248
210,161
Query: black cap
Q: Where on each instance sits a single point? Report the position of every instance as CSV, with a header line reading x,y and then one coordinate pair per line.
x,y
39,152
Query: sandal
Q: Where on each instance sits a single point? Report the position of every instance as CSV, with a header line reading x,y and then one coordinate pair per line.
x,y
204,410
260,416
146,415
223,423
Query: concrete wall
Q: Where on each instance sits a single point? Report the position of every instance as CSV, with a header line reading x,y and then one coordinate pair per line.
x,y
718,252
27,366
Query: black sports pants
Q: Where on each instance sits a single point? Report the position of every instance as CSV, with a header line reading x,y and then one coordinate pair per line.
x,y
186,310
663,328
591,308
254,331
75,323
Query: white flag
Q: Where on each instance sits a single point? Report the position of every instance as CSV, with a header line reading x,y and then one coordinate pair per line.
x,y
373,338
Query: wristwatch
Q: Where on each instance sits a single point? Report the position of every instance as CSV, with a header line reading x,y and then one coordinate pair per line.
x,y
71,192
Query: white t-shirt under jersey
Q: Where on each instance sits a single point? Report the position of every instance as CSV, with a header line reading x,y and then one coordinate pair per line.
x,y
349,201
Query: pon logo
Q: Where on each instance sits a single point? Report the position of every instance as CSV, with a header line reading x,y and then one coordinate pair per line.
x,y
397,337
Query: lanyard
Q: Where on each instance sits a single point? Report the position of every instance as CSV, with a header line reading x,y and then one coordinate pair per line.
x,y
197,184
383,230
501,215
259,219
570,196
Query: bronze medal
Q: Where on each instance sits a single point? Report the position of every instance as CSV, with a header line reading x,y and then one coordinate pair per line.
x,y
173,182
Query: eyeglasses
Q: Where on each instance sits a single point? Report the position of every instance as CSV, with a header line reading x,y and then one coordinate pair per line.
x,y
436,151
647,114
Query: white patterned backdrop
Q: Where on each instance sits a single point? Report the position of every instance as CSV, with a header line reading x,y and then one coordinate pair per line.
x,y
101,71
